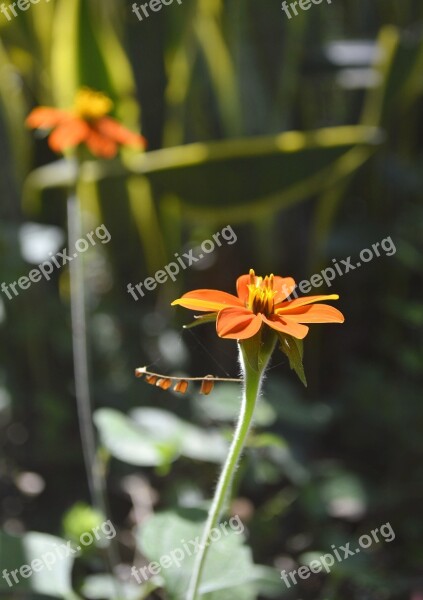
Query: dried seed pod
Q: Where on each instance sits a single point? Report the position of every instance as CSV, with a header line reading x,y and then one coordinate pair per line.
x,y
181,386
164,383
207,385
151,379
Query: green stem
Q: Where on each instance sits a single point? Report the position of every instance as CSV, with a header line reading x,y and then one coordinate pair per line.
x,y
92,463
252,383
80,357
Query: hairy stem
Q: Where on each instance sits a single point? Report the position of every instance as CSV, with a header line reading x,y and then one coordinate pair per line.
x,y
252,383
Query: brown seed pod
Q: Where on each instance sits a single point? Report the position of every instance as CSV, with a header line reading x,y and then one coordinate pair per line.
x,y
151,379
164,383
207,385
181,386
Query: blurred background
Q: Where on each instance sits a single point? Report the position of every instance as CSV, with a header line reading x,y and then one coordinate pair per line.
x,y
304,135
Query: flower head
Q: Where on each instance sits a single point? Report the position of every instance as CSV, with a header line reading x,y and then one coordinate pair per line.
x,y
85,123
260,314
261,302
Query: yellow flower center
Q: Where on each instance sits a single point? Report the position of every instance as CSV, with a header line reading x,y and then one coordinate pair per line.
x,y
261,294
90,105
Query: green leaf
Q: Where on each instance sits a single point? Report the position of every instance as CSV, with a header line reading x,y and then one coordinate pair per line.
x,y
125,440
293,348
275,171
53,580
190,441
153,437
229,565
98,587
201,320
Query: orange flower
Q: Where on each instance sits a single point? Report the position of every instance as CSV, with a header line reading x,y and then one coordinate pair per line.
x,y
261,302
85,123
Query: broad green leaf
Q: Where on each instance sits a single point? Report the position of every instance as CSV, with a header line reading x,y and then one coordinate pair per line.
x,y
153,437
99,587
240,180
265,173
229,563
49,575
190,441
125,440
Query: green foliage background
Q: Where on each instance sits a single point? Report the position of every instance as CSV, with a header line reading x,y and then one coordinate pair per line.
x,y
252,121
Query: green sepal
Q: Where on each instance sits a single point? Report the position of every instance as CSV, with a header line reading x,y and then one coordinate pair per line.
x,y
294,350
201,320
251,347
258,348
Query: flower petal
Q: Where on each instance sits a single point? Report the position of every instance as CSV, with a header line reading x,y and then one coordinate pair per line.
x,y
284,286
101,145
237,323
316,313
118,133
68,134
286,307
44,117
242,289
207,300
286,326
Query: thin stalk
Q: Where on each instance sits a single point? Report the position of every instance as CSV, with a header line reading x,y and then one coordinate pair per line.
x,y
252,383
93,466
80,358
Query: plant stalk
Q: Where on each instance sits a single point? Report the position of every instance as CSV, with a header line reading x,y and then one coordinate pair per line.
x,y
252,383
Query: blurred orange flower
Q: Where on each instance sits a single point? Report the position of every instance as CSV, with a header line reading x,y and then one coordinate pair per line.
x,y
85,123
261,302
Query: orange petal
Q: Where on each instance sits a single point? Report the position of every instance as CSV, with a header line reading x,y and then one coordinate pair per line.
x,y
45,117
237,323
207,300
68,134
286,307
242,289
316,313
118,133
286,326
100,145
284,286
